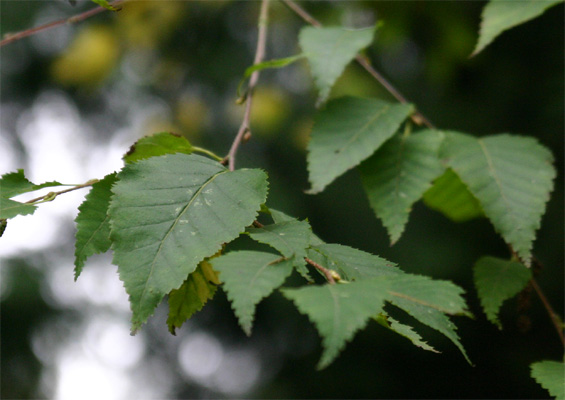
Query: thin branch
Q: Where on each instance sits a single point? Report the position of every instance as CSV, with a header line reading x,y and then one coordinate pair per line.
x,y
51,195
554,317
12,37
330,275
259,55
417,117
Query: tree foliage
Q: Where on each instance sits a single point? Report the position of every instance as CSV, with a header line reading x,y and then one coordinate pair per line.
x,y
169,215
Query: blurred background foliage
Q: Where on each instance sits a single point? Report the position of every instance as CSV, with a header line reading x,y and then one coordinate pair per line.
x,y
86,91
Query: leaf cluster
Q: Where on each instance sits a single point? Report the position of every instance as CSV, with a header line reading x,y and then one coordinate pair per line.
x,y
169,213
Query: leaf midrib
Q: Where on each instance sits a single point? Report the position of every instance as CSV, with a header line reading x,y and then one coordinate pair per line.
x,y
507,205
365,127
194,196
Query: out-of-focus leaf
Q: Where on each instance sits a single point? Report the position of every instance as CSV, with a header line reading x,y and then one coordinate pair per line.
x,y
105,4
452,198
168,213
278,63
501,15
89,59
248,277
498,280
397,175
347,132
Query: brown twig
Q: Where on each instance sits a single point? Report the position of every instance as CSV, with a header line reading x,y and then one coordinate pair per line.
x,y
52,195
244,130
12,37
417,117
330,275
552,315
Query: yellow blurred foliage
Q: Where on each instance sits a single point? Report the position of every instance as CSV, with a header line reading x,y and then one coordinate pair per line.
x,y
271,107
300,133
145,23
89,59
192,114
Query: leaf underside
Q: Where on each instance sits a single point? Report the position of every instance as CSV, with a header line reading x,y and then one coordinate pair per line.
x,y
168,213
157,144
511,176
93,225
195,291
248,277
398,174
496,281
13,184
329,50
10,208
347,132
452,198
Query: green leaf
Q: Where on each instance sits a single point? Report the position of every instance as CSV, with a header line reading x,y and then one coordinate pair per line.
x,y
398,174
105,4
403,330
549,374
427,300
329,50
433,318
157,145
196,290
248,277
337,311
350,263
278,63
290,238
347,132
279,216
498,280
15,183
452,198
501,15
168,213
10,208
511,176
93,225
443,296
